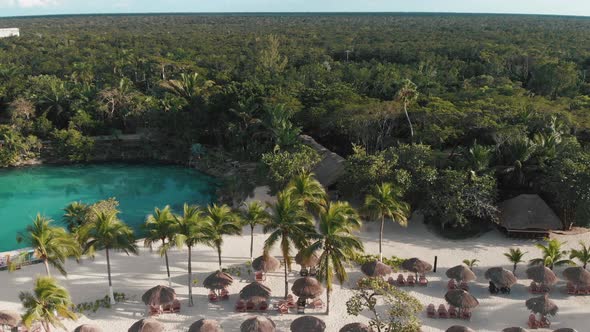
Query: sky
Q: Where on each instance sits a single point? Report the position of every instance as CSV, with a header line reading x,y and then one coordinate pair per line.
x,y
45,7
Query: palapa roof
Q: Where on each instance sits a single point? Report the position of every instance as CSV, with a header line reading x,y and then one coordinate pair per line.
x,y
308,324
514,329
459,328
528,212
266,263
146,325
218,280
88,328
375,269
356,327
577,275
461,273
542,305
205,325
307,287
255,289
565,329
258,324
330,167
501,277
542,274
310,261
10,318
461,299
159,295
416,265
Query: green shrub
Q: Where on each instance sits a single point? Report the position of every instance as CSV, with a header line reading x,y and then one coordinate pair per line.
x,y
71,144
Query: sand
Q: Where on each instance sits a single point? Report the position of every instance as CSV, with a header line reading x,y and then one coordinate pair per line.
x,y
133,275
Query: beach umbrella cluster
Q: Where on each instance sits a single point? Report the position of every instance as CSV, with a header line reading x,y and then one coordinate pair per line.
x,y
146,325
501,277
577,275
461,273
258,324
307,287
308,324
416,265
255,291
461,299
541,274
266,263
376,269
542,305
205,325
159,295
218,280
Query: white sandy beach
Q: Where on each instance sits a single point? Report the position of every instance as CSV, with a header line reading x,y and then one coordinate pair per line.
x,y
133,275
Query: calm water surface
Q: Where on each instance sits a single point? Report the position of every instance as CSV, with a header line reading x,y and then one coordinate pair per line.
x,y
24,192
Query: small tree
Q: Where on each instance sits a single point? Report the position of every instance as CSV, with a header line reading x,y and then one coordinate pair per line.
x,y
583,255
401,310
552,255
471,263
515,256
254,214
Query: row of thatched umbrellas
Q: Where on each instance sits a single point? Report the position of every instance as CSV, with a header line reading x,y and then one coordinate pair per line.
x,y
379,269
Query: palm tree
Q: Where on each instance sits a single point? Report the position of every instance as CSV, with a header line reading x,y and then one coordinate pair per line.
x,y
306,188
160,227
221,220
471,263
407,94
385,202
75,214
254,214
552,255
515,256
289,225
189,228
47,304
107,232
336,223
583,255
53,245
189,86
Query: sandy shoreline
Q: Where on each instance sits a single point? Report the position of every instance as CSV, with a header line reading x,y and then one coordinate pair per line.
x,y
133,275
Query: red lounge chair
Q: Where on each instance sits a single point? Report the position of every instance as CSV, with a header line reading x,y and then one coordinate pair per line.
x,y
466,314
250,306
213,297
544,288
423,281
290,301
452,284
411,280
533,324
400,280
534,288
317,304
224,294
155,310
263,306
544,323
175,306
241,306
282,308
431,311
442,311
259,276
463,285
452,312
571,288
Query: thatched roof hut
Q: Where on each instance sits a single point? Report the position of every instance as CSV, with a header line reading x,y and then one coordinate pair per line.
x,y
565,329
307,287
255,289
218,280
528,213
501,277
309,261
459,328
416,265
542,274
205,325
461,273
330,167
308,324
88,328
542,305
577,275
266,263
356,327
10,318
258,324
146,325
375,269
159,295
514,329
461,299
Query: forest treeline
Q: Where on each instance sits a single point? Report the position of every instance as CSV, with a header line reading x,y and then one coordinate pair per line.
x,y
458,111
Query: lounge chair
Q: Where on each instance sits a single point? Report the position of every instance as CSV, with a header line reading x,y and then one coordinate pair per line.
x,y
282,308
250,306
224,294
544,322
493,289
263,306
464,286
391,281
400,280
423,281
304,272
533,323
241,306
453,312
544,288
176,305
259,276
452,284
466,314
290,301
213,297
411,280
442,311
155,310
534,288
431,311
317,304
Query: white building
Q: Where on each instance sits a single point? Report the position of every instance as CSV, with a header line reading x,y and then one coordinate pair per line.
x,y
10,32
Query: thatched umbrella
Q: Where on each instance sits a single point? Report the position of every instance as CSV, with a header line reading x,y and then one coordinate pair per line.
x,y
205,325
500,277
159,295
308,324
10,318
416,265
258,324
541,274
577,275
459,328
146,325
88,328
565,329
254,289
375,269
542,305
461,299
461,273
218,280
514,329
310,261
307,287
356,327
266,263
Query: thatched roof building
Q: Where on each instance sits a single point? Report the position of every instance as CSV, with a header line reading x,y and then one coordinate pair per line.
x,y
331,165
528,214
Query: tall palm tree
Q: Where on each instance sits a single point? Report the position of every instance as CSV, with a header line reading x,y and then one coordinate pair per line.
x,y
189,228
189,86
337,222
385,202
407,94
254,214
53,245
47,304
552,255
74,215
515,256
289,225
583,254
221,220
307,189
160,227
107,232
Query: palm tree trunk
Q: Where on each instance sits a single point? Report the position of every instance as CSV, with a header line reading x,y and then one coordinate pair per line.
x,y
219,255
409,122
46,326
190,279
167,268
111,293
251,242
46,262
286,281
514,269
381,238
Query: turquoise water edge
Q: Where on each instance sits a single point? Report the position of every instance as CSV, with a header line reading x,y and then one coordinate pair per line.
x,y
47,189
